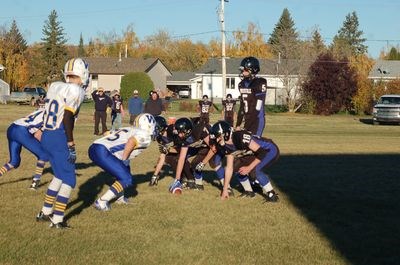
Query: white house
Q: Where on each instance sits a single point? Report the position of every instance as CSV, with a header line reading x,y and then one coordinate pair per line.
x,y
4,88
385,70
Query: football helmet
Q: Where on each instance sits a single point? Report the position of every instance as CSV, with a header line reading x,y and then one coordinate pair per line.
x,y
222,128
78,67
146,122
161,124
250,64
229,96
184,125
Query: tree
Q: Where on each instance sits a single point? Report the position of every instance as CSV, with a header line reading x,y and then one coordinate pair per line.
x,y
54,54
348,41
81,48
13,57
136,81
394,54
331,84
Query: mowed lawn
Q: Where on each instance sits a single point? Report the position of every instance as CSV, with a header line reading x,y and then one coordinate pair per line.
x,y
338,179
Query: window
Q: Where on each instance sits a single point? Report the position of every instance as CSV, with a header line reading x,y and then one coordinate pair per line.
x,y
230,83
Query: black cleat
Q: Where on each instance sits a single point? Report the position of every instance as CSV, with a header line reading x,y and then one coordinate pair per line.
x,y
41,217
35,184
271,196
200,186
60,225
190,185
154,180
248,194
230,192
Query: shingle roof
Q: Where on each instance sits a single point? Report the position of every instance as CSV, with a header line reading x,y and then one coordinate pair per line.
x,y
181,76
114,66
267,67
385,69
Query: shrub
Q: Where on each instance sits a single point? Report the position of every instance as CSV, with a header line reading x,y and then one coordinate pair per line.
x,y
136,81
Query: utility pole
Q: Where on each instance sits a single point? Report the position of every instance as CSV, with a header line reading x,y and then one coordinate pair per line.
x,y
223,61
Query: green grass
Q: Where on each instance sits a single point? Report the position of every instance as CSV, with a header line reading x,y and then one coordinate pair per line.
x,y
337,178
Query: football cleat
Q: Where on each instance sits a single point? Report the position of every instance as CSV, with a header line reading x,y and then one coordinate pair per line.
x,y
41,217
271,196
191,185
35,184
200,186
60,225
122,200
102,205
154,180
230,192
248,194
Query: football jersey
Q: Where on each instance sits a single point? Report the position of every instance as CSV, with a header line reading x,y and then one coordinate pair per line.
x,y
33,122
240,147
253,95
115,142
205,106
229,106
60,97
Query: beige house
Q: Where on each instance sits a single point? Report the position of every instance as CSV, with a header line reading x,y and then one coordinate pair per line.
x,y
108,72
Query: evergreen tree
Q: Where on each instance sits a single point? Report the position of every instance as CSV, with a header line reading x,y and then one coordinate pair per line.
x,y
317,43
349,37
54,53
393,54
284,38
81,48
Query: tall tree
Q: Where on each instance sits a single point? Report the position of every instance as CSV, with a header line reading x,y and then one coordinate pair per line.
x,y
331,84
13,57
54,52
81,48
394,54
349,38
284,38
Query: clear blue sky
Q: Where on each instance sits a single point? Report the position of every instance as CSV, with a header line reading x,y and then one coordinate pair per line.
x,y
378,19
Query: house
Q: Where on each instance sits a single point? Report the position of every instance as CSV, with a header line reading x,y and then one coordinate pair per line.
x,y
385,70
4,88
181,79
108,72
208,80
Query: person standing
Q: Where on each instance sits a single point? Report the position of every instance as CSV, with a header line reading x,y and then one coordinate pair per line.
x,y
252,90
135,106
204,109
228,112
62,106
101,103
154,104
117,111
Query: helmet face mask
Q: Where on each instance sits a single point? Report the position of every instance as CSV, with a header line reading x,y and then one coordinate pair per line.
x,y
145,122
222,132
77,67
161,125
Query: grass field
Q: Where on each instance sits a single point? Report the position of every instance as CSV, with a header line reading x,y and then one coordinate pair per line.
x,y
337,177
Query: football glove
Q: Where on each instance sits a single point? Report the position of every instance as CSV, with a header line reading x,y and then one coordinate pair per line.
x,y
72,154
154,180
163,149
200,166
126,162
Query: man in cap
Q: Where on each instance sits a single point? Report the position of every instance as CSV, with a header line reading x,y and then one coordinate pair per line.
x,y
135,106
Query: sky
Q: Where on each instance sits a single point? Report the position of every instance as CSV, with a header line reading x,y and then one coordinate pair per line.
x,y
198,19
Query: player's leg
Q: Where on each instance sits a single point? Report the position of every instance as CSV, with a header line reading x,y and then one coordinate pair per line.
x,y
14,149
243,179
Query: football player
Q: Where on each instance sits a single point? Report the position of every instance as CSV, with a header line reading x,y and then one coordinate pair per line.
x,y
25,132
204,109
252,97
62,105
247,155
113,154
228,112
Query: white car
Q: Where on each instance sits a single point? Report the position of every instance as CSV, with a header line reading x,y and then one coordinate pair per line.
x,y
387,109
184,92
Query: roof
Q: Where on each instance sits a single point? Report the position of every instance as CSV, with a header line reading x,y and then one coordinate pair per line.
x,y
181,76
111,65
385,69
267,66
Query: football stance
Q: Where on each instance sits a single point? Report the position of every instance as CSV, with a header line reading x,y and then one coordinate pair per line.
x,y
25,132
113,154
247,155
61,107
252,90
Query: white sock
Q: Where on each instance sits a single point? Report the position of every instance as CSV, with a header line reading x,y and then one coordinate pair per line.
x,y
246,185
54,185
267,188
108,196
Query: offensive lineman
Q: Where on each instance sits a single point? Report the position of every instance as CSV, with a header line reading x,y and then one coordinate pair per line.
x,y
113,154
25,132
252,97
62,105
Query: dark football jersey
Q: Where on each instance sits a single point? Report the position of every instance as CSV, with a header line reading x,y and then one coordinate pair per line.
x,y
205,106
240,146
229,107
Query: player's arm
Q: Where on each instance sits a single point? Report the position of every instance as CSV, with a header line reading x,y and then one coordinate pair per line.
x,y
181,162
160,163
129,147
259,154
69,121
240,113
228,176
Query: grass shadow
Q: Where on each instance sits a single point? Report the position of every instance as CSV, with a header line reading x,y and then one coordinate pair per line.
x,y
352,199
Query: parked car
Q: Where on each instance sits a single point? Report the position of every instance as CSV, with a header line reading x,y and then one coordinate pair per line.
x,y
387,109
184,92
29,95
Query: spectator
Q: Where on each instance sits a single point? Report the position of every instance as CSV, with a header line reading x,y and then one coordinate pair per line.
x,y
135,106
117,111
154,104
101,103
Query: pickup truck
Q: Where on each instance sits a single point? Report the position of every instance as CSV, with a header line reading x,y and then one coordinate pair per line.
x,y
387,109
29,95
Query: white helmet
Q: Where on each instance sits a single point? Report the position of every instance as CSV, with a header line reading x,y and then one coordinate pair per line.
x,y
78,67
145,121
